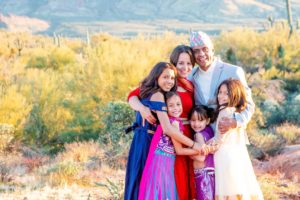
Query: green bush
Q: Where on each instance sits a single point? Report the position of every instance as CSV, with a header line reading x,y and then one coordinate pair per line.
x,y
292,110
39,62
273,112
287,112
35,130
117,116
292,83
60,58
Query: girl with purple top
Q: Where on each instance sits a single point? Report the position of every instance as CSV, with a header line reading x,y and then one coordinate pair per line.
x,y
158,179
200,118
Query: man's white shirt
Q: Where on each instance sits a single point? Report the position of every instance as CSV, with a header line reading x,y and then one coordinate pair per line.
x,y
205,78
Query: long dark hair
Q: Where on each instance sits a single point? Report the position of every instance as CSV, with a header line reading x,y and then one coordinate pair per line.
x,y
150,84
181,49
236,94
203,112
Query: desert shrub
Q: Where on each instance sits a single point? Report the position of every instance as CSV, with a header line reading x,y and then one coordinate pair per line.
x,y
268,142
59,58
76,164
231,56
272,73
277,188
35,130
290,132
117,116
273,112
6,175
6,135
39,62
291,110
292,82
276,113
64,172
14,107
81,152
115,189
258,119
57,143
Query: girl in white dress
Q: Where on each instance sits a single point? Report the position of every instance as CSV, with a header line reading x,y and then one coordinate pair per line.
x,y
234,174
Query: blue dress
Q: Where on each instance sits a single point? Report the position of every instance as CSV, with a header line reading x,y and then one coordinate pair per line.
x,y
139,150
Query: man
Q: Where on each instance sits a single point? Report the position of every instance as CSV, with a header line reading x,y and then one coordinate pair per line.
x,y
208,76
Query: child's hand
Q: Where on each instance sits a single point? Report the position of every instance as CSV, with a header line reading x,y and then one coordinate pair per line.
x,y
197,146
204,151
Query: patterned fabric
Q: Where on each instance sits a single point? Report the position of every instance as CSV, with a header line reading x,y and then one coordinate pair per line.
x,y
139,150
158,180
205,177
200,39
165,145
205,183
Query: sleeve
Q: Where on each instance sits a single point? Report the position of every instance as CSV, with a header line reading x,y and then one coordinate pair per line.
x,y
244,117
155,105
135,92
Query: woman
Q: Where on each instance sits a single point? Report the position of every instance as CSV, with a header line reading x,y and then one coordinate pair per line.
x,y
161,79
181,57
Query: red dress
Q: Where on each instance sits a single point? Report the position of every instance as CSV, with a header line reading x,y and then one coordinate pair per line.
x,y
184,171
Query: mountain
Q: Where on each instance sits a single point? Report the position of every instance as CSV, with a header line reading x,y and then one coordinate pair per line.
x,y
128,17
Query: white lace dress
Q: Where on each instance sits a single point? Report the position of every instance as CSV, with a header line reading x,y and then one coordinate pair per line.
x,y
234,174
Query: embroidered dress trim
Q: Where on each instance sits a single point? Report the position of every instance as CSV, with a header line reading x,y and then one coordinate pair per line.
x,y
236,197
163,153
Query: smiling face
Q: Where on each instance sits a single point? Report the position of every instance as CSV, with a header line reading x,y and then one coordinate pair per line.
x,y
204,56
184,65
174,106
198,123
223,95
166,80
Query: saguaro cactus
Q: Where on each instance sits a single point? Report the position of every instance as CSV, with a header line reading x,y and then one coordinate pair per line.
x,y
88,38
271,20
289,16
19,45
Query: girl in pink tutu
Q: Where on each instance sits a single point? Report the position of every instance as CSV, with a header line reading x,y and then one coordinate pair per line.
x,y
158,180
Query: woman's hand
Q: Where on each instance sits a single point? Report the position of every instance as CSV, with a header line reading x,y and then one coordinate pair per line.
x,y
136,105
147,115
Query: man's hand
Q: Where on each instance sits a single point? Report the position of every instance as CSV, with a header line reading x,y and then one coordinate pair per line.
x,y
226,124
147,115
